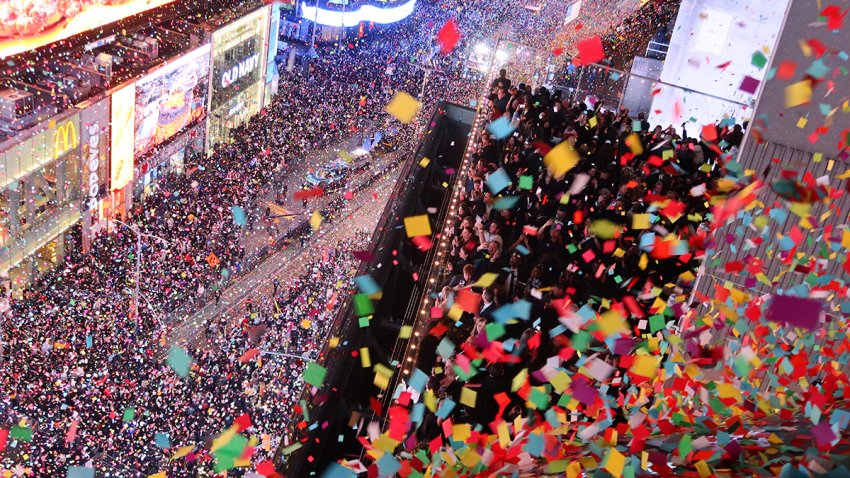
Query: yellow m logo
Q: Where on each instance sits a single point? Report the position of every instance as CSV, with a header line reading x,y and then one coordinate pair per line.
x,y
67,133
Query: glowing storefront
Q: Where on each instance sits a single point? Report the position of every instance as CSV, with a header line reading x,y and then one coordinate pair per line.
x,y
40,198
238,75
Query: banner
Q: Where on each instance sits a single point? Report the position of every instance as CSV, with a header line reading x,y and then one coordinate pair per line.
x,y
94,140
170,99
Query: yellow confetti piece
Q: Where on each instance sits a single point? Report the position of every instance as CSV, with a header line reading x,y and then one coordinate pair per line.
x,y
405,332
385,443
805,48
614,462
161,474
574,470
468,397
183,451
504,435
703,469
640,221
645,366
798,93
424,162
611,322
802,122
604,229
561,159
315,220
461,432
365,360
417,226
430,400
403,107
634,144
560,381
486,280
725,390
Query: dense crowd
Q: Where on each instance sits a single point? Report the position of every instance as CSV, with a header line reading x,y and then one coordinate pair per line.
x,y
79,367
91,382
560,249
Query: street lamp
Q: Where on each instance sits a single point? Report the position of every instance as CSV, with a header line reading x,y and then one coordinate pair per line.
x,y
311,53
139,234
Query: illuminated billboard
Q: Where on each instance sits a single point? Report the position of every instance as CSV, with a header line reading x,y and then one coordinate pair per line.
x,y
121,167
29,24
366,13
239,56
170,99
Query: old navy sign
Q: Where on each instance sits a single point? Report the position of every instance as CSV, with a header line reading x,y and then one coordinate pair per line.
x,y
244,68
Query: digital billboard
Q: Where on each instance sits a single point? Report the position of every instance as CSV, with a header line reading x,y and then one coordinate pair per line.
x,y
170,99
29,24
274,26
121,167
366,13
239,56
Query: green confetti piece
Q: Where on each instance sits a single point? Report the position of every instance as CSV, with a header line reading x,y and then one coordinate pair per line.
x,y
21,433
179,360
314,374
759,60
363,305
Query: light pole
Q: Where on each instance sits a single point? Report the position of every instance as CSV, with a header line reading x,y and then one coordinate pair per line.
x,y
139,234
311,53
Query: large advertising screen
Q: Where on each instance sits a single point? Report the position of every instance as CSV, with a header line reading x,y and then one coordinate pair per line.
x,y
274,23
170,99
121,166
239,56
26,25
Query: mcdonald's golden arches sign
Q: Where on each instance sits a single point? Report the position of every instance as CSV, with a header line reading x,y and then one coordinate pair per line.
x,y
65,137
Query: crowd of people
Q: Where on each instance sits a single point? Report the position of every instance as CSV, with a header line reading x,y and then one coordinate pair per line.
x,y
91,382
80,364
85,376
623,229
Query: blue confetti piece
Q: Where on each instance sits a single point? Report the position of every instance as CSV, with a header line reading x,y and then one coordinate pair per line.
x,y
367,285
238,215
162,440
498,180
501,128
505,203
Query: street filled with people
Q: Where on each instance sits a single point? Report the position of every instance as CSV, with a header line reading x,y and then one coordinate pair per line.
x,y
90,382
572,256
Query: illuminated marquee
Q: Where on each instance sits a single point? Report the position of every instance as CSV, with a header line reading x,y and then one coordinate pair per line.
x,y
244,68
366,13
